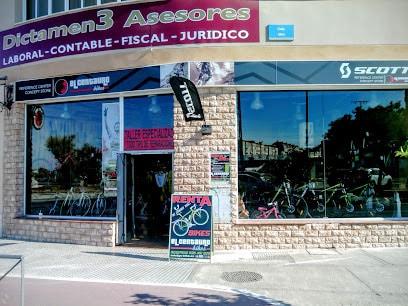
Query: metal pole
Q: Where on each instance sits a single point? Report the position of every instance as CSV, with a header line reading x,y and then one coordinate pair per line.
x,y
133,199
22,281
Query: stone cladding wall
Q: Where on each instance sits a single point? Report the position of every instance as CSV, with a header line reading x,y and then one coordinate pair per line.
x,y
191,175
331,234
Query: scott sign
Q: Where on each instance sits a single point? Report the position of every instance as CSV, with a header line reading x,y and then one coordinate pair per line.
x,y
346,71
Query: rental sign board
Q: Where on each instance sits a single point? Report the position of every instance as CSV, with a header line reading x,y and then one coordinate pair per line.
x,y
191,226
127,26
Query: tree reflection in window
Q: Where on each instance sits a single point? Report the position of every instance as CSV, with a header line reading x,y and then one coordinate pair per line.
x,y
325,138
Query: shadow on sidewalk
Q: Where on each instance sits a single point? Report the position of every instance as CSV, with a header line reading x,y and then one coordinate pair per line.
x,y
127,255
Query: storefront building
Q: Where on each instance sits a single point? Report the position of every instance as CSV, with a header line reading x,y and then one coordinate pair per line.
x,y
304,139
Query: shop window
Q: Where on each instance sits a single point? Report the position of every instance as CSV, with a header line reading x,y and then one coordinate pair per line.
x,y
322,154
71,159
148,123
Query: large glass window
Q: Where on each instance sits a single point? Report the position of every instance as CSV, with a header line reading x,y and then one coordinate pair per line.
x,y
318,154
70,149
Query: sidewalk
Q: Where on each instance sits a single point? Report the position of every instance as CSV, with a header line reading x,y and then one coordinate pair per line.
x,y
60,274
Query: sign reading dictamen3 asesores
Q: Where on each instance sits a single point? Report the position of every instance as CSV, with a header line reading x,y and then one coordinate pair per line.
x,y
132,26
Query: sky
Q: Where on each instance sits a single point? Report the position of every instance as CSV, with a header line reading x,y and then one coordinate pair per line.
x,y
284,112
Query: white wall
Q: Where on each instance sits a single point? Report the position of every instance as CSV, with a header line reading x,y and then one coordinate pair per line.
x,y
346,22
8,13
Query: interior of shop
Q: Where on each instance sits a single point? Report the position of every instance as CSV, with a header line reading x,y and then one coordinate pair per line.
x,y
148,199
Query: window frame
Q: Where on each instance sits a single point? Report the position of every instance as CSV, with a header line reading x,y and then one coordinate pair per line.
x,y
36,4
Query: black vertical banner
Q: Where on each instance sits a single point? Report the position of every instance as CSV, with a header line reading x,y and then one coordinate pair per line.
x,y
187,94
191,227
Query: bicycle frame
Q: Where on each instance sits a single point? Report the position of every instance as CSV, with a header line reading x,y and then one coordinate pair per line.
x,y
189,219
69,198
368,197
322,207
265,212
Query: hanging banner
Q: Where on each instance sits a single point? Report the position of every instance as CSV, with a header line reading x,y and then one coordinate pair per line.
x,y
191,227
187,94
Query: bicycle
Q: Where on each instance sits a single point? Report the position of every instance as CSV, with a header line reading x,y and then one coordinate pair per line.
x,y
69,198
83,203
55,207
338,196
291,204
141,203
195,216
99,206
268,213
368,197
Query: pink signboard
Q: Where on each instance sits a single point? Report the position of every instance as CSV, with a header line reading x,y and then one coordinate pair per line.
x,y
148,139
127,26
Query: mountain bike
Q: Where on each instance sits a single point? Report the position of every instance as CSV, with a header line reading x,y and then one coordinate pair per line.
x,y
368,198
292,205
194,216
332,201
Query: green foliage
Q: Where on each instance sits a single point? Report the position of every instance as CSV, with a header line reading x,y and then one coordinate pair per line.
x,y
403,151
60,146
366,135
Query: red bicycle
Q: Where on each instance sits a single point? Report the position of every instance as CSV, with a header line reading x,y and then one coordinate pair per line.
x,y
268,213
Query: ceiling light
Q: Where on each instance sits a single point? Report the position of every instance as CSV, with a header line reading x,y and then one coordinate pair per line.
x,y
154,107
257,103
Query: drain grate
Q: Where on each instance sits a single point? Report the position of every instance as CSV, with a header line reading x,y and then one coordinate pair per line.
x,y
241,277
272,256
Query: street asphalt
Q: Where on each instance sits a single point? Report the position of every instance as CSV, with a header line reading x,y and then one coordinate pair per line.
x,y
64,274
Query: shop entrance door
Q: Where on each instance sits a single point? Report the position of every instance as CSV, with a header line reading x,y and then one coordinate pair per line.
x,y
149,184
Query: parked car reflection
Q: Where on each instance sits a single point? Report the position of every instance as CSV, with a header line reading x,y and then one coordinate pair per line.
x,y
253,186
376,173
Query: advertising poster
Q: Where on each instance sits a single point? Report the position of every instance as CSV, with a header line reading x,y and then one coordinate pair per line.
x,y
191,227
148,139
110,146
220,167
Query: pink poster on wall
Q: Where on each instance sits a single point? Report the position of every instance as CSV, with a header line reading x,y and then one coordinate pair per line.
x,y
148,139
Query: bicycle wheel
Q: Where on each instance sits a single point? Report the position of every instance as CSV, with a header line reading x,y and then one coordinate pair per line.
x,y
98,208
65,208
200,216
180,227
75,209
296,209
257,214
54,208
86,206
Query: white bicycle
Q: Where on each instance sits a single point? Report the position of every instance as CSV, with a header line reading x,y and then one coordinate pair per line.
x,y
81,206
99,206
